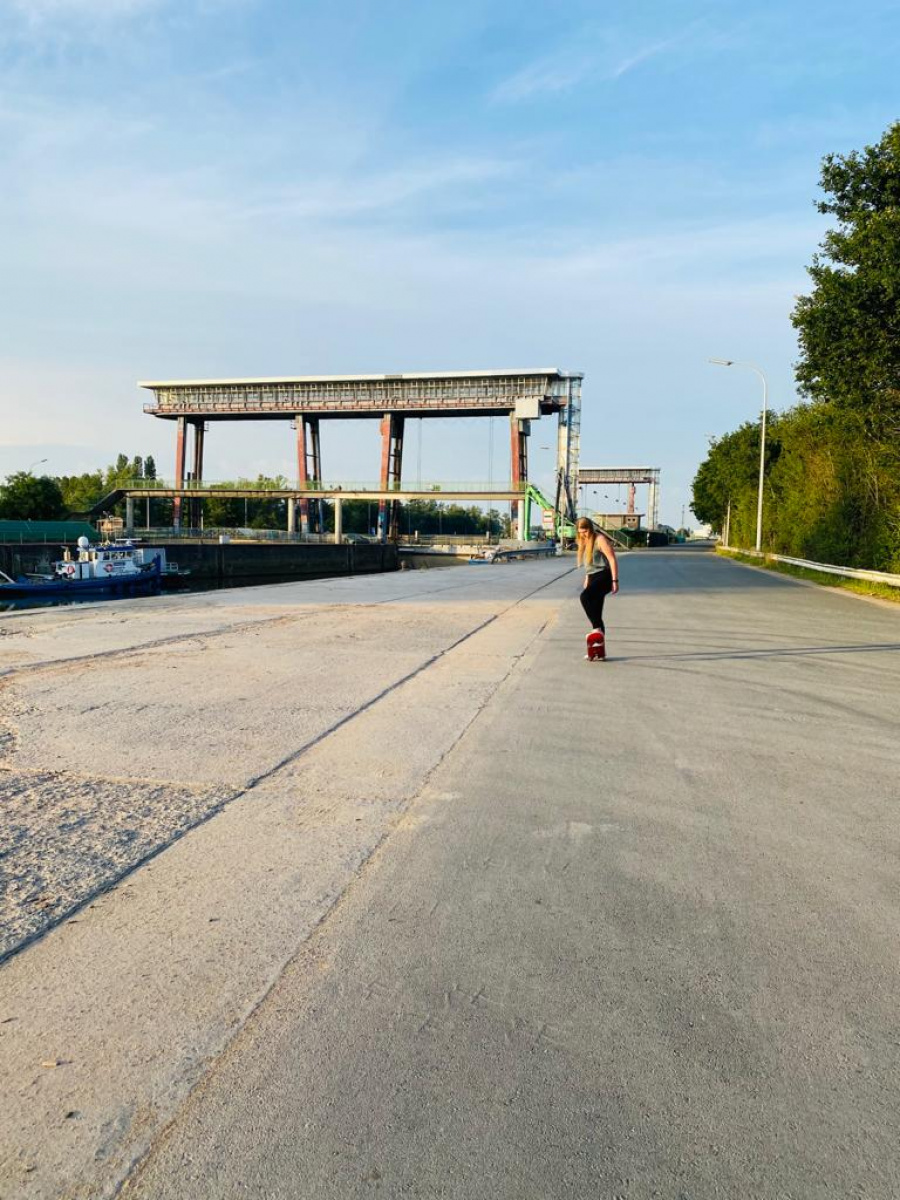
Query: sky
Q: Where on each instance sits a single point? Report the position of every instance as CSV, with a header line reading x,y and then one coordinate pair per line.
x,y
232,188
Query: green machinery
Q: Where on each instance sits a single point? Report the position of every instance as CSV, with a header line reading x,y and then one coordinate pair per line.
x,y
562,526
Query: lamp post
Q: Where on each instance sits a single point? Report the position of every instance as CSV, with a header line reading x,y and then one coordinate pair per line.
x,y
37,464
729,362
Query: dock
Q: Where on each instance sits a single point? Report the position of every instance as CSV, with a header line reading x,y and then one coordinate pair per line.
x,y
372,885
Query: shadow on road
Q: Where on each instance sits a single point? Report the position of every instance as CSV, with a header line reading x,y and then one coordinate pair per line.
x,y
769,652
694,581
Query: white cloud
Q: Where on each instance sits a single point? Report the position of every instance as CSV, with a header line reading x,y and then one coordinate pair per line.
x,y
336,197
640,56
700,251
93,10
556,73
572,65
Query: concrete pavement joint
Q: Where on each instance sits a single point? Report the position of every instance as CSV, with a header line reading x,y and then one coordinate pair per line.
x,y
307,948
204,635
292,757
236,792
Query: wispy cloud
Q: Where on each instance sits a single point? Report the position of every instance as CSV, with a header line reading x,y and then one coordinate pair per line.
x,y
641,56
565,69
39,11
555,73
338,197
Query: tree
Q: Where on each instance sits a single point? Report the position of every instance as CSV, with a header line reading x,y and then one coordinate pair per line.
x,y
25,497
730,475
81,492
849,326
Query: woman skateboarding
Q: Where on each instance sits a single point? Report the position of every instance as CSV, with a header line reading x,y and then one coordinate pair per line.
x,y
596,554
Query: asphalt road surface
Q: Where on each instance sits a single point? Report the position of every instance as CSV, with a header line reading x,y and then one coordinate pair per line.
x,y
633,934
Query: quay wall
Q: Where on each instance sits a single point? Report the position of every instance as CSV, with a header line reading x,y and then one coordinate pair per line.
x,y
219,563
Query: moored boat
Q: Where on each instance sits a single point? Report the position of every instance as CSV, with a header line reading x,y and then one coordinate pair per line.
x,y
113,568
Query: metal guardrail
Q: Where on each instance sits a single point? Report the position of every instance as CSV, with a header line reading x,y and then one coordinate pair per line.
x,y
543,551
213,533
826,568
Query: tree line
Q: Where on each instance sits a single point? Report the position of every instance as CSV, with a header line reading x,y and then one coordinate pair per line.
x,y
28,497
832,467
24,496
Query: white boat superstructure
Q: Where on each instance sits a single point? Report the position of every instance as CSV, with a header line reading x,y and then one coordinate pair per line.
x,y
110,561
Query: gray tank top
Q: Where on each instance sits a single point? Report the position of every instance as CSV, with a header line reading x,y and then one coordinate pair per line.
x,y
600,561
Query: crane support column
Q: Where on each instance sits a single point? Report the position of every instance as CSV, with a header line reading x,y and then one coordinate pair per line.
x,y
315,471
653,505
302,471
391,469
518,442
197,473
179,470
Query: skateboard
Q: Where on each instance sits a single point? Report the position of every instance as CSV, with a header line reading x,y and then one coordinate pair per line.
x,y
596,646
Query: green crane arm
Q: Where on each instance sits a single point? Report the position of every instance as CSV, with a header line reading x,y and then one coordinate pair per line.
x,y
562,526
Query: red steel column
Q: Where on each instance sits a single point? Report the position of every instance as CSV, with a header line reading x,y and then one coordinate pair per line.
x,y
391,471
179,470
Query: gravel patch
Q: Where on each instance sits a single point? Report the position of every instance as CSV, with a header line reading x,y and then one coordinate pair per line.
x,y
66,837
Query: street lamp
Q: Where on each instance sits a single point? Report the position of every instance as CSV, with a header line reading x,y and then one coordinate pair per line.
x,y
729,362
37,464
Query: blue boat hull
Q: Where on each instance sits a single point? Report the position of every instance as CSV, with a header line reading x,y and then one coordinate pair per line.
x,y
121,586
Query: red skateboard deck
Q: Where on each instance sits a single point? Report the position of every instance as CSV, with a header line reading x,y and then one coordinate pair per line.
x,y
596,645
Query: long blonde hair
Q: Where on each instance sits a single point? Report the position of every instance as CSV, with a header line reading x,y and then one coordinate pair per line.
x,y
586,544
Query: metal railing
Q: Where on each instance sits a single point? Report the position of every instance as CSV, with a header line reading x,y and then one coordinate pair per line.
x,y
312,485
210,533
826,568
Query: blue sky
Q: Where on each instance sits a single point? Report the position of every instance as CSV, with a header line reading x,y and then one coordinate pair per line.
x,y
209,188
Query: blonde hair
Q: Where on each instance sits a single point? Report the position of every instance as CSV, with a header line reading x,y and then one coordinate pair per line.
x,y
586,545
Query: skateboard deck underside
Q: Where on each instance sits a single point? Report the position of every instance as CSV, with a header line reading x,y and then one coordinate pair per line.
x,y
596,645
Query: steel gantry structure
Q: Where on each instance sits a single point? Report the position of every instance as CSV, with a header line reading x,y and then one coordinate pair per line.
x,y
520,395
630,476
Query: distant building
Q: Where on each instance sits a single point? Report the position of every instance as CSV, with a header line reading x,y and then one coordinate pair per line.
x,y
617,520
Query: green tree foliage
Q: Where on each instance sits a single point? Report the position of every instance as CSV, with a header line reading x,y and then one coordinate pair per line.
x,y
257,512
730,475
27,497
849,326
81,492
829,497
829,493
832,484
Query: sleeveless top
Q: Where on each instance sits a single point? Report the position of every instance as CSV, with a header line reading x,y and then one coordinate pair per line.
x,y
599,563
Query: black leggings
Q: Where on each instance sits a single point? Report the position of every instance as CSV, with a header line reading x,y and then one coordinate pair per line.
x,y
599,585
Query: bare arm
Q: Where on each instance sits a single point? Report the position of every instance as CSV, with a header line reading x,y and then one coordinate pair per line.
x,y
607,547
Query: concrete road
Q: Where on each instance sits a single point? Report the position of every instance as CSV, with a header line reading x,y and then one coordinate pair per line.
x,y
633,932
